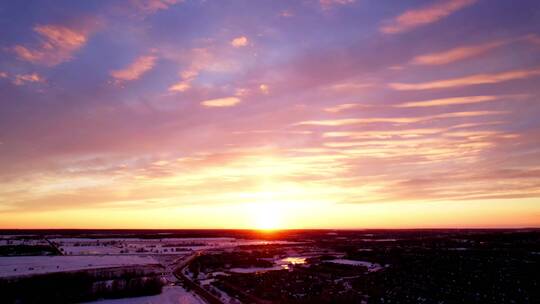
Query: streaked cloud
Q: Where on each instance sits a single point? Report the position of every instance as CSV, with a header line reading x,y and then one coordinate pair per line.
x,y
414,18
303,114
456,54
58,44
341,107
396,120
467,80
240,41
447,101
221,102
135,70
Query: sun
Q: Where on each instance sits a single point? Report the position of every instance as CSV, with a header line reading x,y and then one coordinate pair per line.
x,y
266,216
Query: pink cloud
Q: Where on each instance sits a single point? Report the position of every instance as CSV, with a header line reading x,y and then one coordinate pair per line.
x,y
467,80
135,70
414,18
456,54
58,44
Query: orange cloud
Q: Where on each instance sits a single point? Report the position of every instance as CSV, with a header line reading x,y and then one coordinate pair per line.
x,y
181,86
135,70
22,79
221,102
58,43
264,88
456,54
467,81
429,14
239,41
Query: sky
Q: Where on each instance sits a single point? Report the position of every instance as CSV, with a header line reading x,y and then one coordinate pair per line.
x,y
269,114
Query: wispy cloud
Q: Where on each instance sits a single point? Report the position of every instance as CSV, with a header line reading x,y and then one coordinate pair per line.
x,y
25,78
135,70
199,59
342,107
447,101
425,15
221,102
381,134
456,54
467,80
326,4
397,120
152,6
58,44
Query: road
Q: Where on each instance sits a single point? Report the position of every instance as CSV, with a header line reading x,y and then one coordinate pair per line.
x,y
203,293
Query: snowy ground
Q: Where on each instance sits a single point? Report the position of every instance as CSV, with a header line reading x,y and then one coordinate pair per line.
x,y
170,295
181,246
24,265
370,266
13,241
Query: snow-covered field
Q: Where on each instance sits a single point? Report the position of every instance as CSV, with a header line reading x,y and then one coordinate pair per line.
x,y
13,241
170,295
181,246
24,265
370,266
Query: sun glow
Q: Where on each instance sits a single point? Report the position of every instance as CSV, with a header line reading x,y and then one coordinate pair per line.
x,y
266,216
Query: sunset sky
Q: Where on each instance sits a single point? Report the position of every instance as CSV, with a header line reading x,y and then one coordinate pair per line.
x,y
269,114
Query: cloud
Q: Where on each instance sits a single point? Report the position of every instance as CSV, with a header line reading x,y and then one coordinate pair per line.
x,y
342,107
58,44
398,120
456,54
286,14
467,81
24,78
264,88
152,6
199,59
181,86
239,41
3,75
327,4
414,18
406,133
447,101
135,70
354,121
221,102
